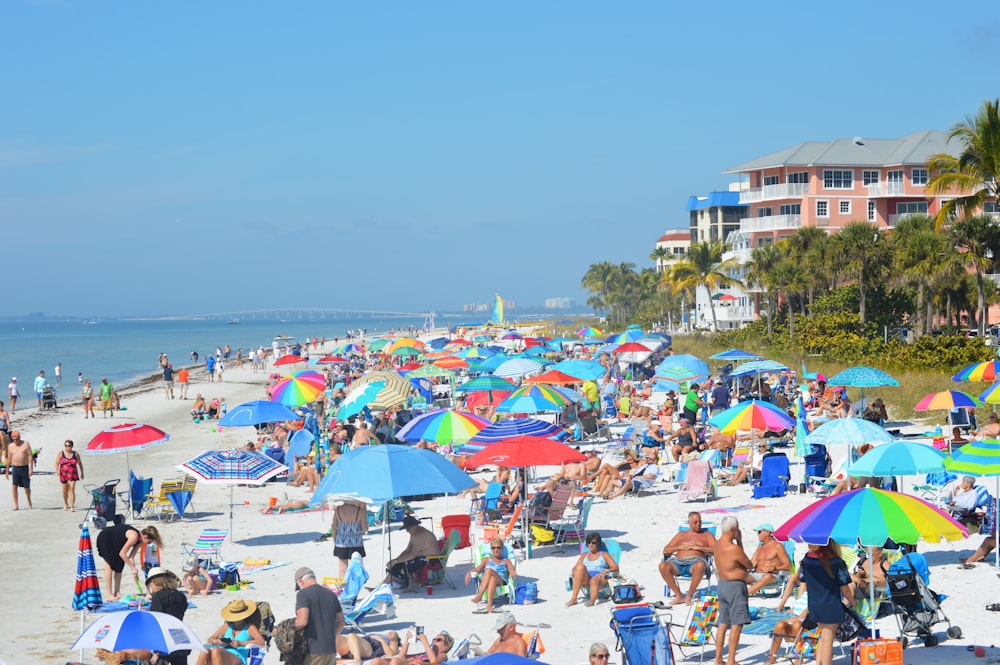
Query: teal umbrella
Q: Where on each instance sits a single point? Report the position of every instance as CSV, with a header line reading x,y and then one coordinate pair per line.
x,y
358,399
979,458
899,458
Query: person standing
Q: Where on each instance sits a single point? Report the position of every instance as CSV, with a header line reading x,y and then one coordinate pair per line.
x,y
58,374
731,565
182,379
693,403
87,400
219,368
210,367
69,466
168,380
4,433
827,579
350,523
79,378
41,383
318,613
20,464
118,544
13,393
107,392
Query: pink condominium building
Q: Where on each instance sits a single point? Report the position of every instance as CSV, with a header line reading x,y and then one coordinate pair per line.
x,y
829,184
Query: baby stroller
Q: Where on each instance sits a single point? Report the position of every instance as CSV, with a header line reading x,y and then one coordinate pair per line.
x,y
103,502
640,636
49,398
916,607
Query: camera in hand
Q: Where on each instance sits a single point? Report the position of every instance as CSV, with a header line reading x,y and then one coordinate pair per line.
x,y
418,630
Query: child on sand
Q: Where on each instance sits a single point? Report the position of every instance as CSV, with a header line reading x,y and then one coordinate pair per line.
x,y
197,580
152,545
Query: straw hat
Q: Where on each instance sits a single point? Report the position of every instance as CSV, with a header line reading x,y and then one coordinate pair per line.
x,y
158,572
238,610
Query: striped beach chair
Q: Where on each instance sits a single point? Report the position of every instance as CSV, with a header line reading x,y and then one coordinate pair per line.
x,y
207,548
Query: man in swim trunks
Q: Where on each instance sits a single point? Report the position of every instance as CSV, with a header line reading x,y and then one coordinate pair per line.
x,y
685,554
106,392
731,565
769,559
21,464
411,561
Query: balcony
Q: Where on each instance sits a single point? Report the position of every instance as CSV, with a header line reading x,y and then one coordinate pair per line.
x,y
770,223
888,188
732,313
769,192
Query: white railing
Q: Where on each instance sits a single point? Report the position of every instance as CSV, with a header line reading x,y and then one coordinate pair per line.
x,y
888,188
732,313
770,223
788,190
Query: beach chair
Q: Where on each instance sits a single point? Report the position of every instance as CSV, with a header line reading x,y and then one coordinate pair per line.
x,y
777,587
696,632
159,503
545,515
380,602
573,529
135,498
616,447
489,501
436,570
774,477
503,529
207,548
640,635
482,551
698,483
613,548
713,529
933,486
462,524
591,431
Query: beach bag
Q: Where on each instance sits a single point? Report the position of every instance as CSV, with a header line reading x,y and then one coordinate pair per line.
x,y
852,626
542,536
542,500
879,650
291,643
626,593
229,574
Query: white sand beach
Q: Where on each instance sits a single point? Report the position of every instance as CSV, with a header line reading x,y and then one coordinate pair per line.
x,y
39,547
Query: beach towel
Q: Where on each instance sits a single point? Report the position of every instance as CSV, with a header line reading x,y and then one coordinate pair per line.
x,y
246,570
733,509
265,511
121,606
765,622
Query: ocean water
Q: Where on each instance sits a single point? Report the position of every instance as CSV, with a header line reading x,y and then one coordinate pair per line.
x,y
125,351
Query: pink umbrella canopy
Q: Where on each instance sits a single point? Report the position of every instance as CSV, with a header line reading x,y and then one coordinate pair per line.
x,y
127,436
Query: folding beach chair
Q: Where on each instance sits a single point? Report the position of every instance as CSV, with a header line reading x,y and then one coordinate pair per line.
x,y
381,602
616,447
640,635
933,486
699,483
482,551
591,431
135,497
489,501
207,548
436,570
697,631
545,515
774,477
159,503
613,548
573,529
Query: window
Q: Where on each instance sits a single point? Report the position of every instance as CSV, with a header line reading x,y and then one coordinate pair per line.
x,y
766,211
872,212
800,178
770,180
918,176
822,208
894,176
869,177
845,207
911,208
836,179
790,209
991,207
764,241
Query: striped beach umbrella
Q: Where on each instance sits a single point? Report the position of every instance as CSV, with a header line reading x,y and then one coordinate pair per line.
x,y
553,376
752,415
395,391
136,629
299,388
87,593
486,383
533,398
517,367
443,426
947,399
984,371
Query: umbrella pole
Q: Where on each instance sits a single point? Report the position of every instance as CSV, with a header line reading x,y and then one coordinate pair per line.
x,y
871,592
230,513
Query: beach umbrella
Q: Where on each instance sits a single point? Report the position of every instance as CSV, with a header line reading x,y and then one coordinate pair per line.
x,y
899,458
984,371
851,431
501,659
586,370
290,359
358,398
651,342
135,629
589,331
450,362
512,335
991,395
429,371
476,352
947,399
632,353
979,458
125,438
257,412
862,377
443,426
299,388
484,398
395,391
378,343
232,467
532,398
752,415
327,360
516,367
87,592
407,351
350,348
671,378
513,427
684,360
553,376
758,366
408,367
629,335
735,354
871,516
536,350
485,383
490,364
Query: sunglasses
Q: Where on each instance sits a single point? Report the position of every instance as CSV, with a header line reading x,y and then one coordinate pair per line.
x,y
496,548
602,656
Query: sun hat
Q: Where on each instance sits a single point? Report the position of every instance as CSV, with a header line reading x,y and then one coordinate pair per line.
x,y
766,526
155,572
409,521
238,610
504,619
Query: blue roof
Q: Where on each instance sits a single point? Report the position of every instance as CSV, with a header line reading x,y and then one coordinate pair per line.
x,y
714,200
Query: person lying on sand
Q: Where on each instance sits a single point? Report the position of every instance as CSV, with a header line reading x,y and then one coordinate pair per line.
x,y
297,504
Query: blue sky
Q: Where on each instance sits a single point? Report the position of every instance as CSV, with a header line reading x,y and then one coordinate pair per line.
x,y
163,157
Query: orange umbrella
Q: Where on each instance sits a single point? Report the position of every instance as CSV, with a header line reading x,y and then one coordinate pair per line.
x,y
553,376
450,362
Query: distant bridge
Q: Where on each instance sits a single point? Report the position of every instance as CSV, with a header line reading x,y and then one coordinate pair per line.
x,y
294,314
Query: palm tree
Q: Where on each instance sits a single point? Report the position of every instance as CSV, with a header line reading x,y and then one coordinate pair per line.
x,y
808,248
976,170
704,266
920,254
762,262
787,278
978,241
597,280
863,254
659,256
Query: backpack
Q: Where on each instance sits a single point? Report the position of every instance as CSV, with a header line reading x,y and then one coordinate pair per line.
x,y
290,643
229,574
263,618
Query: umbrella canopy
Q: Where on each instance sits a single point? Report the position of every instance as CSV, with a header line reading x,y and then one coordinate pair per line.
x,y
586,370
486,383
525,451
125,438
735,354
395,391
991,395
87,593
630,335
899,458
155,631
553,376
873,516
948,399
632,352
405,351
758,366
231,466
517,367
984,371
533,398
513,427
328,360
862,377
450,362
290,359
299,388
977,458
485,398
358,398
852,431
385,472
476,352
671,378
350,348
429,371
502,659
685,360
752,415
257,412
443,426
589,331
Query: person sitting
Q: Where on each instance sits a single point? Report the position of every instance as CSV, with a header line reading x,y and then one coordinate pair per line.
x,y
592,569
198,409
501,476
640,478
768,560
495,570
654,440
992,430
196,579
509,640
572,471
435,650
684,439
962,498
367,647
214,408
788,629
957,440
869,570
875,412
686,554
605,477
407,568
305,472
235,636
989,542
751,466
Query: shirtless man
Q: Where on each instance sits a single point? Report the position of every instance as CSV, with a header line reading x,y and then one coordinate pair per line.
x,y
731,565
509,640
411,561
685,555
578,471
20,460
363,436
769,559
991,431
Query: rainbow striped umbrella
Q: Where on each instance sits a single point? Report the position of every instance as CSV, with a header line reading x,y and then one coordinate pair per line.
x,y
947,399
299,388
403,351
533,398
984,371
589,331
752,415
443,426
451,362
349,348
991,395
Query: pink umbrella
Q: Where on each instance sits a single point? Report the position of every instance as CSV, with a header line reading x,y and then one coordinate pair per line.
x,y
126,437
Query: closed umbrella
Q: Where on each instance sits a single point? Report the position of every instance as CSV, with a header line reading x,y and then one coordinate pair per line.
x,y
87,592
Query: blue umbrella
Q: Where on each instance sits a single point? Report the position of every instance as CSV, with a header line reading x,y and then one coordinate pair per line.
x,y
87,594
758,366
502,659
735,354
136,629
862,377
358,399
587,370
490,364
511,427
899,458
851,431
180,501
517,367
687,361
257,412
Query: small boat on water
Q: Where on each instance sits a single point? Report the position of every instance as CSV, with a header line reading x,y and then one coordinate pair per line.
x,y
233,322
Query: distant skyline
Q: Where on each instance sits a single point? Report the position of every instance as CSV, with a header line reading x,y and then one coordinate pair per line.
x,y
407,156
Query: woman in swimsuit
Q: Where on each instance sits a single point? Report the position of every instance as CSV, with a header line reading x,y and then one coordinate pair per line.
x,y
605,477
69,466
592,568
684,438
87,399
496,570
234,637
366,647
435,651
